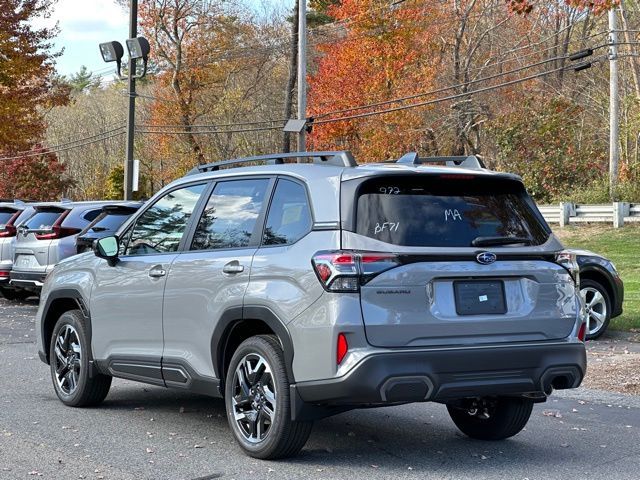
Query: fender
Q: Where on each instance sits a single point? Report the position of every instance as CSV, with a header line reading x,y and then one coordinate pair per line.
x,y
76,296
232,317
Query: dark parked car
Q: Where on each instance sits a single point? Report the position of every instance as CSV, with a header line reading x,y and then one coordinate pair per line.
x,y
602,290
105,224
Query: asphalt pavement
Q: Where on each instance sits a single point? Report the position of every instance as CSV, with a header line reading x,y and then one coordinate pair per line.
x,y
145,432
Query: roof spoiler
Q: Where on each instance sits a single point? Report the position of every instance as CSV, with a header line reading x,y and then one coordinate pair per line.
x,y
470,161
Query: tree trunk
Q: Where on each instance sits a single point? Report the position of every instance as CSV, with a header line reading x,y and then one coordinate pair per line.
x,y
635,69
293,72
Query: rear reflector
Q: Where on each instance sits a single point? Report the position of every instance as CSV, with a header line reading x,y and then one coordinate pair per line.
x,y
342,349
582,332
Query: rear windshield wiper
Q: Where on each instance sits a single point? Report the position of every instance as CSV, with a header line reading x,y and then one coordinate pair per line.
x,y
488,241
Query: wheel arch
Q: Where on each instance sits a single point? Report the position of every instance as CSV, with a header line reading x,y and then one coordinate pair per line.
x,y
236,325
597,274
57,303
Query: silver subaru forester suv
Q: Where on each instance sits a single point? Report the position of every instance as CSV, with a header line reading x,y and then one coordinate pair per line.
x,y
312,285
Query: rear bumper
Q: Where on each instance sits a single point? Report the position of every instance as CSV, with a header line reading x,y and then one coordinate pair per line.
x,y
444,375
32,280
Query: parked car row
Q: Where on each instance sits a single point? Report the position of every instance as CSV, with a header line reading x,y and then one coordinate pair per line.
x,y
34,237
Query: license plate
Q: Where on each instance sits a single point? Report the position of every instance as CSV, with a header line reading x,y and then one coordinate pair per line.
x,y
479,297
25,261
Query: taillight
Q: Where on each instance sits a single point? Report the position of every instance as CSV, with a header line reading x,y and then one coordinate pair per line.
x,y
57,230
582,331
9,231
569,261
4,274
341,348
345,271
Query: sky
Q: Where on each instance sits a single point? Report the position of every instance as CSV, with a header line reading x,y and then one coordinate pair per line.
x,y
83,25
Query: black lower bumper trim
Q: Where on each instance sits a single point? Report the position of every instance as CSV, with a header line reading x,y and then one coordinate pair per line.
x,y
445,375
27,279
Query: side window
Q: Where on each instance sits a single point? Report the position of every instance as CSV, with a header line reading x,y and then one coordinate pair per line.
x,y
159,229
289,216
230,215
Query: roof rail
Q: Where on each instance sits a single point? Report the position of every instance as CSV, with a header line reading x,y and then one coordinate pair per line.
x,y
337,158
470,161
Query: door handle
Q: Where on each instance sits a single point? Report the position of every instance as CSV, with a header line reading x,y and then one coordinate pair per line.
x,y
233,267
157,272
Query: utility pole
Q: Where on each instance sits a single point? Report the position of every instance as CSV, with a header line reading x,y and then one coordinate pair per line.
x,y
614,106
131,118
302,72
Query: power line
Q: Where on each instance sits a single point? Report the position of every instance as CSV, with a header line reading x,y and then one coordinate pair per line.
x,y
55,149
450,97
444,89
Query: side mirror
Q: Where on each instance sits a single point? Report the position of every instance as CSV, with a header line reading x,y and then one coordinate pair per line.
x,y
107,248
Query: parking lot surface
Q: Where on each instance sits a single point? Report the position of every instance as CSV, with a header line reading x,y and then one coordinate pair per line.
x,y
146,432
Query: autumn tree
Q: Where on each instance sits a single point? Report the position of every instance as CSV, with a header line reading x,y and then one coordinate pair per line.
x,y
38,175
26,73
376,54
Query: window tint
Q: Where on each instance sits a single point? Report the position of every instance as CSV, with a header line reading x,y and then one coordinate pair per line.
x,y
91,215
230,215
5,216
109,222
441,212
159,229
43,220
289,216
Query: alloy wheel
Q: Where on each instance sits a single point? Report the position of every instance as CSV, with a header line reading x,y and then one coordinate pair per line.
x,y
68,359
254,398
596,308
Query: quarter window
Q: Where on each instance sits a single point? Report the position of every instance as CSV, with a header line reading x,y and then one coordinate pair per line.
x,y
231,214
160,228
289,216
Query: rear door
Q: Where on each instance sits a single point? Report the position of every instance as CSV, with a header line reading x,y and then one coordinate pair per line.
x,y
212,274
452,283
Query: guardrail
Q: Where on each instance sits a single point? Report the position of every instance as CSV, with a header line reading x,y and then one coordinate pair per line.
x,y
617,213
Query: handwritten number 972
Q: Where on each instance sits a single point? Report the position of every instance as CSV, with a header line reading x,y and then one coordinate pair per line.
x,y
390,190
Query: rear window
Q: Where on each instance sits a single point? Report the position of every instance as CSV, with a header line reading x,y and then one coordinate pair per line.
x,y
445,211
43,220
5,216
109,222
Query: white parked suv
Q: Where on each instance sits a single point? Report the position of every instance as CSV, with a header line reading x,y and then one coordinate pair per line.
x,y
301,290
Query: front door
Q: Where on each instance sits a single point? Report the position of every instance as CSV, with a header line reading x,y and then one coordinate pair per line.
x,y
126,303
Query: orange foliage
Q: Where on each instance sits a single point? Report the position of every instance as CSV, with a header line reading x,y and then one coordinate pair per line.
x,y
382,55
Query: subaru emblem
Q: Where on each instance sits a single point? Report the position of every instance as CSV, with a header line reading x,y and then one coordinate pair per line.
x,y
486,258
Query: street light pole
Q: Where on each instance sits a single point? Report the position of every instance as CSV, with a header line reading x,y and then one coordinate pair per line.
x,y
302,72
614,105
131,118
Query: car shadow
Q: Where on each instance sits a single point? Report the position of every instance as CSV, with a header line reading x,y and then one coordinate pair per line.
x,y
417,436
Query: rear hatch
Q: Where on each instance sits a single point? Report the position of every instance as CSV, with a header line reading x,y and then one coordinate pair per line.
x,y
35,237
472,262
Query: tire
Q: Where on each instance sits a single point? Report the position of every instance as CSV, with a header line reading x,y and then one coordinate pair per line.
x,y
598,307
492,419
260,419
70,365
15,294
